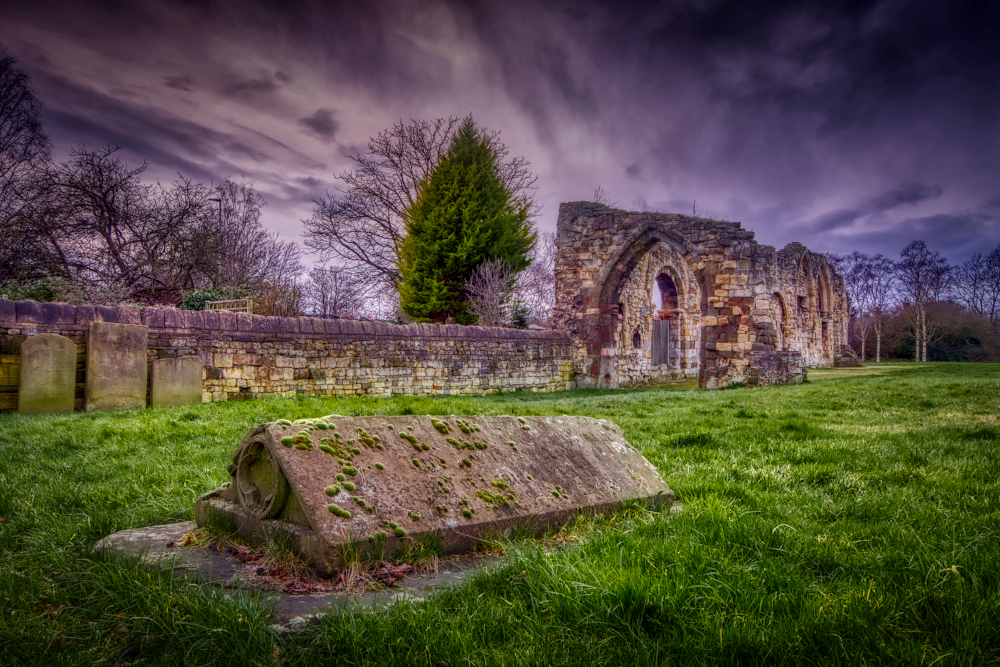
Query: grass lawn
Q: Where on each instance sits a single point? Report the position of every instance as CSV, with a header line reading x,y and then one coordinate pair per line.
x,y
854,519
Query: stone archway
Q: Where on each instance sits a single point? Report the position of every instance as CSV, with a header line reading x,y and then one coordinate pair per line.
x,y
654,258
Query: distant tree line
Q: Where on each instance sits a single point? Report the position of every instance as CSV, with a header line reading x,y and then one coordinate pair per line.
x,y
923,308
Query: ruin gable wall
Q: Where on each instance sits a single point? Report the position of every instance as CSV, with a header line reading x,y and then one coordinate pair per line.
x,y
733,305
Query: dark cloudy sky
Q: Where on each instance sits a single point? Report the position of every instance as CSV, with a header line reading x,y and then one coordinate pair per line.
x,y
842,125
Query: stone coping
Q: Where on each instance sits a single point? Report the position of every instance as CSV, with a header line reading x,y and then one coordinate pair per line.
x,y
17,314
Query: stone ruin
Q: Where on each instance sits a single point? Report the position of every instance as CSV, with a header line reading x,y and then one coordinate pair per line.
x,y
730,310
379,483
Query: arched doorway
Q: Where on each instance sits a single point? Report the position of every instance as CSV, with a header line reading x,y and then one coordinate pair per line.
x,y
664,332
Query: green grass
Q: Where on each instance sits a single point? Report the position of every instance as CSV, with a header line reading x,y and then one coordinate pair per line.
x,y
854,520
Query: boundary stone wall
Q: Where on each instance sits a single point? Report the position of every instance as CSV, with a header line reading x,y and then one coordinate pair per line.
x,y
251,356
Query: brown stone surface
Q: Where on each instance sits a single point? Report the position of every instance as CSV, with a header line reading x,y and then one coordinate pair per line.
x,y
116,366
557,467
175,381
47,382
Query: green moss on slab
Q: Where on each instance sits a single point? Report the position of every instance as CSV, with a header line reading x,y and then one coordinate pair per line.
x,y
416,463
414,515
328,449
355,451
440,426
399,532
409,437
284,422
337,510
288,441
480,445
393,525
530,477
500,484
349,486
521,419
349,470
467,513
340,477
494,499
332,490
463,501
360,501
380,466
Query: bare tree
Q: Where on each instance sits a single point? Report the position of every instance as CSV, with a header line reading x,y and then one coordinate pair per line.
x,y
535,287
880,289
247,253
977,284
24,148
490,288
924,278
363,225
335,292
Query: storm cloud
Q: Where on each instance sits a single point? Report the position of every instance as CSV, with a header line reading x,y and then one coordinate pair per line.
x,y
845,126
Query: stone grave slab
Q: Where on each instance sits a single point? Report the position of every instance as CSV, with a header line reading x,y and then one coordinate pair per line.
x,y
175,382
381,483
47,382
116,366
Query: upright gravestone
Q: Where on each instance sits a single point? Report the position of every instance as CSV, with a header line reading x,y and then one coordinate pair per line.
x,y
48,375
116,366
175,382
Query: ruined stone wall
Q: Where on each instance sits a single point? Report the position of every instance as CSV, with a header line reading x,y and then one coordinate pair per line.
x,y
735,297
250,356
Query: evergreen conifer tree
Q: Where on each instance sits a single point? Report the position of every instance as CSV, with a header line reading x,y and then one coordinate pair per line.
x,y
463,215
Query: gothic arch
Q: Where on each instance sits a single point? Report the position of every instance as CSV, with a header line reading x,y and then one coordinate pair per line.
x,y
619,271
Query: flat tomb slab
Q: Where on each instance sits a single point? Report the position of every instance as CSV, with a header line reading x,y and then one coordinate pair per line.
x,y
380,482
47,375
160,546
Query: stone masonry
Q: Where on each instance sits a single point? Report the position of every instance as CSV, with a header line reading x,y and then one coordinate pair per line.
x,y
738,311
251,356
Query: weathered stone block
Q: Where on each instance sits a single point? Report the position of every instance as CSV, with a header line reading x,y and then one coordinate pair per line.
x,y
116,366
458,488
29,312
48,375
175,382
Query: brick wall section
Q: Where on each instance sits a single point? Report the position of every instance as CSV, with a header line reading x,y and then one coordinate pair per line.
x,y
250,356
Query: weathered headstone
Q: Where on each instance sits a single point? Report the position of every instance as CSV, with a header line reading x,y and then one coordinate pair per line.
x,y
116,366
175,382
383,482
48,375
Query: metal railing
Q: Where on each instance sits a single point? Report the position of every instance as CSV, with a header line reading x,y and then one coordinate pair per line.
x,y
239,305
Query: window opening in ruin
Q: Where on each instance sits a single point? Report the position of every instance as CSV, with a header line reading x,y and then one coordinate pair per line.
x,y
636,339
665,293
802,305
